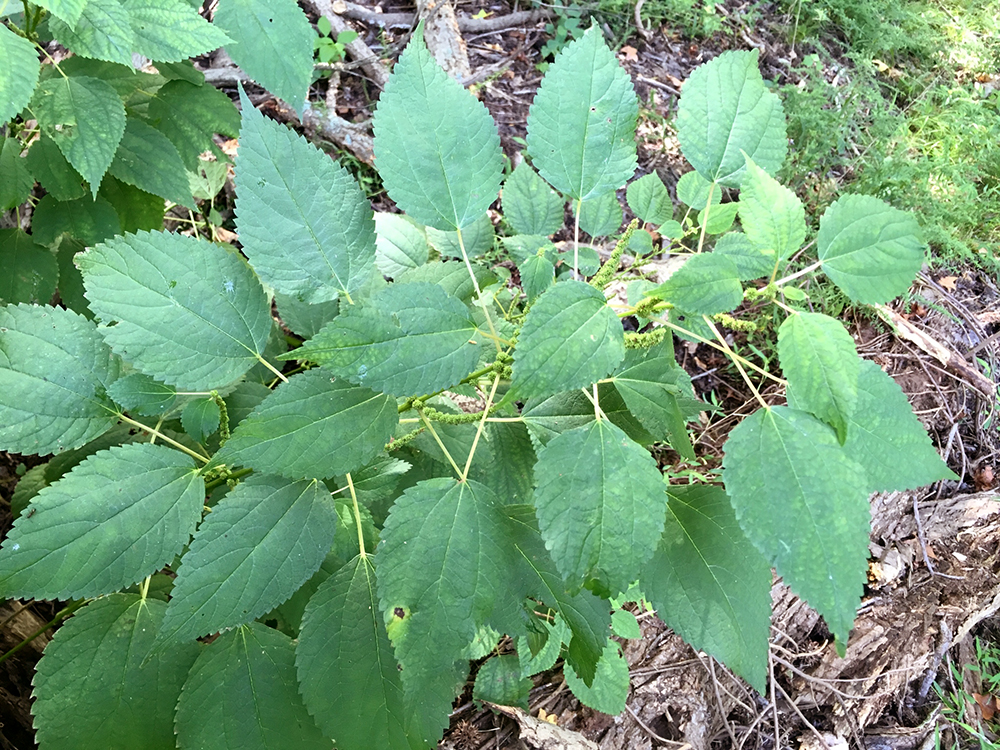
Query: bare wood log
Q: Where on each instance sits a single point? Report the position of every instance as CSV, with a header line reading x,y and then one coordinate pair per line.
x,y
354,137
466,24
443,37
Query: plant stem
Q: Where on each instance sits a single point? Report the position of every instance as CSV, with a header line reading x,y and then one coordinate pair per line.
x,y
144,587
597,406
576,240
156,433
238,474
62,615
437,439
479,429
704,219
808,269
357,517
714,345
733,356
270,367
479,292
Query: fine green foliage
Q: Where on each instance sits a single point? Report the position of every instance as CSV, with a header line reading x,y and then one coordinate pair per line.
x,y
427,462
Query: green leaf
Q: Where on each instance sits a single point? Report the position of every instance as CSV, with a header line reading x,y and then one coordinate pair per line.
x,y
457,439
19,58
520,247
437,148
181,71
413,338
510,474
273,42
821,364
581,125
30,271
312,426
290,189
649,200
772,215
530,206
477,239
610,688
186,311
86,119
694,190
570,339
706,284
189,114
50,168
137,210
17,184
200,418
442,563
601,505
102,32
303,319
546,418
885,437
70,281
116,518
257,546
454,278
85,219
134,88
242,692
171,30
400,244
535,576
142,394
625,625
66,10
803,503
537,275
718,218
95,689
147,159
346,667
655,391
725,110
751,263
499,681
709,584
54,371
869,249
545,657
601,216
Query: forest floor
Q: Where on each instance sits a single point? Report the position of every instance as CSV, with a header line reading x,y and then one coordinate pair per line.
x,y
933,584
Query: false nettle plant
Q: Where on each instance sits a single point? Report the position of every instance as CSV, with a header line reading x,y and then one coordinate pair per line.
x,y
278,548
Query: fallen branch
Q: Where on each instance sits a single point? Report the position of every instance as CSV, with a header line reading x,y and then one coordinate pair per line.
x,y
466,24
373,66
948,358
